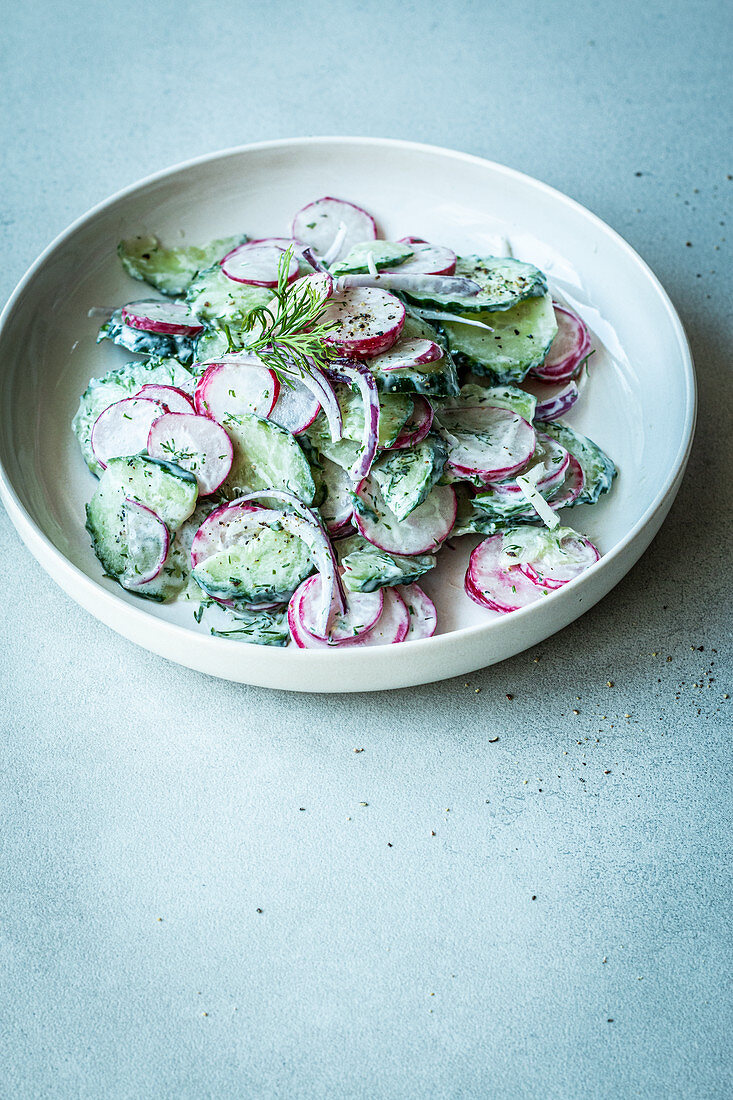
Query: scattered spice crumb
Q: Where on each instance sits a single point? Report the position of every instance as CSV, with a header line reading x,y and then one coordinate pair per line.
x,y
605,959
388,844
534,897
610,1020
509,696
259,910
302,809
493,740
363,803
358,750
432,832
477,691
160,920
609,683
576,711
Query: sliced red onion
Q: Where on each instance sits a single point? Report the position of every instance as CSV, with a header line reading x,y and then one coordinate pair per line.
x,y
417,425
441,315
334,249
310,258
553,399
364,379
418,284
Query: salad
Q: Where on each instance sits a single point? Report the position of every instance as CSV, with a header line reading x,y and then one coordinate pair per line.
x,y
309,420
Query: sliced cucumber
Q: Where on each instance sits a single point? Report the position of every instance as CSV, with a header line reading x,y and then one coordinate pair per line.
x,y
265,567
171,270
254,627
116,385
405,477
215,298
503,282
501,397
157,344
598,469
211,345
520,340
367,568
437,378
383,253
472,519
123,545
266,456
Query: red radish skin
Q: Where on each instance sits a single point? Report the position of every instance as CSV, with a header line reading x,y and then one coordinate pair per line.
x,y
234,386
194,443
405,354
423,616
122,428
368,321
417,425
571,488
137,512
362,611
496,588
558,576
169,318
318,223
509,444
568,351
174,400
257,264
428,259
391,626
423,532
553,399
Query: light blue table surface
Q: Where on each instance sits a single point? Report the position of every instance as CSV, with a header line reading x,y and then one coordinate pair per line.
x,y
565,933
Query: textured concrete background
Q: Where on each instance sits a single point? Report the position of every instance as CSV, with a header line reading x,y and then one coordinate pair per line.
x,y
566,931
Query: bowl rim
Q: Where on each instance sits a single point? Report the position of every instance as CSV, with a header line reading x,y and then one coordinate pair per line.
x,y
43,549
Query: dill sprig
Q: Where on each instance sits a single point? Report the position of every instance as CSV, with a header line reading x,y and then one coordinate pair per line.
x,y
289,333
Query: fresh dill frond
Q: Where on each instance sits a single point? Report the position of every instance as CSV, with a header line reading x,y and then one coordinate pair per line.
x,y
289,332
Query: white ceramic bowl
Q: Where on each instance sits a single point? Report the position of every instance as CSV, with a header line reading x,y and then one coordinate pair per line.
x,y
639,402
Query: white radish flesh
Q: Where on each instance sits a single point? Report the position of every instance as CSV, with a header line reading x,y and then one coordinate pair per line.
x,y
194,443
423,616
318,223
487,443
362,611
175,400
296,407
405,354
154,315
257,264
234,386
367,321
422,532
122,428
428,259
492,586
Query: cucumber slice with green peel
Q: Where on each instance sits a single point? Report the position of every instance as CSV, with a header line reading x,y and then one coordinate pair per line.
x,y
503,282
382,253
266,627
265,565
366,567
406,477
266,456
500,397
211,345
215,299
520,340
171,270
471,519
598,469
165,488
118,384
136,340
435,378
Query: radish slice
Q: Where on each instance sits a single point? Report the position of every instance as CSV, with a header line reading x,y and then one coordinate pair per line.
x,y
457,285
428,259
571,488
318,223
406,354
155,315
368,321
391,627
364,379
362,611
422,532
296,407
487,443
122,428
494,587
553,399
549,465
417,425
573,555
423,616
147,540
236,385
175,400
321,282
568,351
257,264
194,443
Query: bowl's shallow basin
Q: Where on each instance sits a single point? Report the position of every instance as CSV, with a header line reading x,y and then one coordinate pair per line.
x,y
638,402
